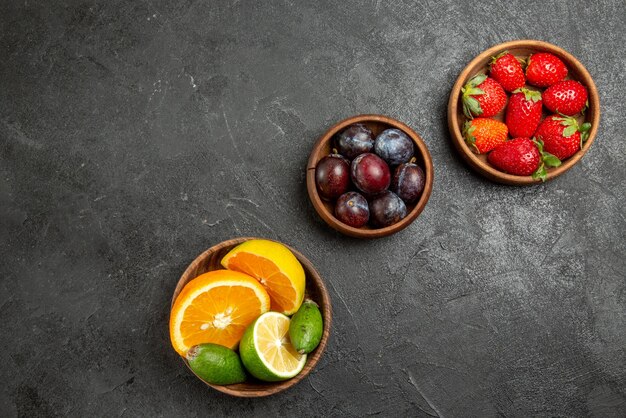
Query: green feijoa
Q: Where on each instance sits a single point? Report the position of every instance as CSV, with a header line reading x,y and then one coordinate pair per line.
x,y
305,329
216,364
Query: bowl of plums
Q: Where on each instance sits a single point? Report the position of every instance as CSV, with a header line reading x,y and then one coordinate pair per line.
x,y
523,112
369,176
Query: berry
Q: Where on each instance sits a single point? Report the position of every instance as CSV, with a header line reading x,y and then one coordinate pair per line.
x,y
332,176
483,134
545,69
387,209
370,173
507,71
523,113
518,156
394,146
408,181
522,157
355,140
567,97
562,136
352,209
483,96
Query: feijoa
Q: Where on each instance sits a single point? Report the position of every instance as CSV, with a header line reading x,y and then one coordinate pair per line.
x,y
216,364
306,327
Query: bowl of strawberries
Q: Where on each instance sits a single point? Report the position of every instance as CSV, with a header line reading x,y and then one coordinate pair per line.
x,y
523,112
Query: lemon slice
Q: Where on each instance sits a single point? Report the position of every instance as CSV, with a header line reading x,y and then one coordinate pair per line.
x,y
275,267
266,351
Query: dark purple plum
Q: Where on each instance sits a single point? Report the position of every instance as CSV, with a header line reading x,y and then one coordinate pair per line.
x,y
355,140
386,209
332,176
370,174
393,146
408,182
352,209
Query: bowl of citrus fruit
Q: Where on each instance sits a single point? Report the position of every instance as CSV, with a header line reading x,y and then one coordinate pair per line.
x,y
523,112
250,317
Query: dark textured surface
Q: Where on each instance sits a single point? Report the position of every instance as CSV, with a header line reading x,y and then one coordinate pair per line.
x,y
135,134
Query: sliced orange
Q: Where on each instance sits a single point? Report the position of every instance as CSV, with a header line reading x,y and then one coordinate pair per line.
x,y
216,307
275,267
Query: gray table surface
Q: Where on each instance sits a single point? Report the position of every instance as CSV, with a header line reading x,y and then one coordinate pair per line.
x,y
136,134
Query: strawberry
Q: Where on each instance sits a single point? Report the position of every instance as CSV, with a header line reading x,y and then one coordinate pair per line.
x,y
523,113
483,96
562,136
507,71
568,97
523,157
484,134
544,69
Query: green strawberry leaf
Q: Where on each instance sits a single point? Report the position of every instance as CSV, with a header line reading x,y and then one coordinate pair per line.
x,y
501,54
467,112
529,95
496,58
547,159
471,107
476,80
475,106
473,91
584,133
468,132
585,107
565,119
540,173
583,138
569,131
524,62
550,160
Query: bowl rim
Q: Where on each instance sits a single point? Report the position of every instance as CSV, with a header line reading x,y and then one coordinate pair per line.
x,y
470,69
269,388
329,218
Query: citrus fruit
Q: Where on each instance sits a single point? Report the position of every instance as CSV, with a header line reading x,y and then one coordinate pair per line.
x,y
216,307
266,351
305,328
216,364
275,266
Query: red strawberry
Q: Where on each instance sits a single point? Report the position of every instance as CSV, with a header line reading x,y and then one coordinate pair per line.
x,y
522,157
484,134
507,71
568,97
483,96
562,136
544,69
523,112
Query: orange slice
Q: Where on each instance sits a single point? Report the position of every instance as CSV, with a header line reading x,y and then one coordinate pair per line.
x,y
275,267
216,307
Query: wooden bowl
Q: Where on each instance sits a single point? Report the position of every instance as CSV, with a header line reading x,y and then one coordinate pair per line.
x,y
315,290
377,124
456,118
